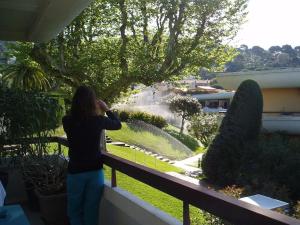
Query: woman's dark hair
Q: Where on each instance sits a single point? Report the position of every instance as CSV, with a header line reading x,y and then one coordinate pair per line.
x,y
83,103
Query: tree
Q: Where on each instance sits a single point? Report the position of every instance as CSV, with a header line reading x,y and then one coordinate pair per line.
x,y
24,73
113,44
283,59
275,49
185,107
259,51
204,127
237,64
289,50
227,159
297,50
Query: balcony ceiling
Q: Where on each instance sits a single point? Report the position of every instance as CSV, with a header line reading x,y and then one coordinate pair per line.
x,y
37,20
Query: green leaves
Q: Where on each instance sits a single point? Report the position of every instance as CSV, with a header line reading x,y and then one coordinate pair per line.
x,y
227,158
113,44
185,107
24,74
28,113
204,127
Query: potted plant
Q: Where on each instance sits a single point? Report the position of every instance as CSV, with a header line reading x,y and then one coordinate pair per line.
x,y
30,170
48,174
10,156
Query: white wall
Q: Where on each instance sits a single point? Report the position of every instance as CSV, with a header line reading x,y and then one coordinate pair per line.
x,y
119,207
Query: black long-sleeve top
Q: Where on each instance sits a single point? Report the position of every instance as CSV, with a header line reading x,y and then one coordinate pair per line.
x,y
84,140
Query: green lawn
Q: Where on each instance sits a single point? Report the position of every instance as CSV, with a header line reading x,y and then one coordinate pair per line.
x,y
141,158
149,140
147,193
186,139
155,197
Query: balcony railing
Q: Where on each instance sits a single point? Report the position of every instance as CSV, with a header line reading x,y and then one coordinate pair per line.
x,y
225,207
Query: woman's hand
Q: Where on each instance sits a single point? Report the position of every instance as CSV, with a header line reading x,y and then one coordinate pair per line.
x,y
103,106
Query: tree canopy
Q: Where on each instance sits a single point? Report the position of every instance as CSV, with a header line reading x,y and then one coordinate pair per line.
x,y
113,44
185,107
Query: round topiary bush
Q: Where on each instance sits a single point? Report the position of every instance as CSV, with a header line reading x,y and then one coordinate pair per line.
x,y
238,134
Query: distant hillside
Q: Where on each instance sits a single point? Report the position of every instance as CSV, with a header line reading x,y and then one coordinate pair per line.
x,y
257,58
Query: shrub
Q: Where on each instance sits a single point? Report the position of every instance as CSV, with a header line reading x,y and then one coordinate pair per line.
x,y
46,173
237,136
297,210
204,127
124,116
276,167
158,121
233,191
143,116
28,113
155,120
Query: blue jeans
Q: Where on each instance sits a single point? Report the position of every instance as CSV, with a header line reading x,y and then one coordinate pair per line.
x,y
84,192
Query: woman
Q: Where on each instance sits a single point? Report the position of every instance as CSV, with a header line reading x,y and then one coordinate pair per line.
x,y
85,170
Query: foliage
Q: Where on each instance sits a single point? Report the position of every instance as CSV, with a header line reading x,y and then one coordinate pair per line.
x,y
297,210
46,173
233,191
257,58
24,73
150,138
113,44
155,197
124,115
24,114
228,157
185,139
185,107
204,127
276,167
155,120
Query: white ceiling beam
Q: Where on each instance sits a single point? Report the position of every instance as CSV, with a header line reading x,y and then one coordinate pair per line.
x,y
29,6
54,16
39,19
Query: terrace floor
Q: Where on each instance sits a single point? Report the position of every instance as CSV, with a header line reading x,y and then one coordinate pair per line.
x,y
34,217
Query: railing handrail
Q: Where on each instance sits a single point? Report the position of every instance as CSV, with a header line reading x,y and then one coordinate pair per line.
x,y
228,208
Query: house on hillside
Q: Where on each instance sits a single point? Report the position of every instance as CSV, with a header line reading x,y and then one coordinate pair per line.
x,y
281,95
215,102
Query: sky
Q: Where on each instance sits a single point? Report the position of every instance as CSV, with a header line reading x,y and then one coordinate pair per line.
x,y
271,22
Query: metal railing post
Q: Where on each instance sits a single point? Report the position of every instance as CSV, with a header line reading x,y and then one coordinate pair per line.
x,y
186,213
113,177
59,148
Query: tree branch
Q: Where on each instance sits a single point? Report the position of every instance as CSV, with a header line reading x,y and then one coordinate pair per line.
x,y
123,48
145,21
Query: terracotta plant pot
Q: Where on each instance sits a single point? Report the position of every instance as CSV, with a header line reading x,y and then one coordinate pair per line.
x,y
53,208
